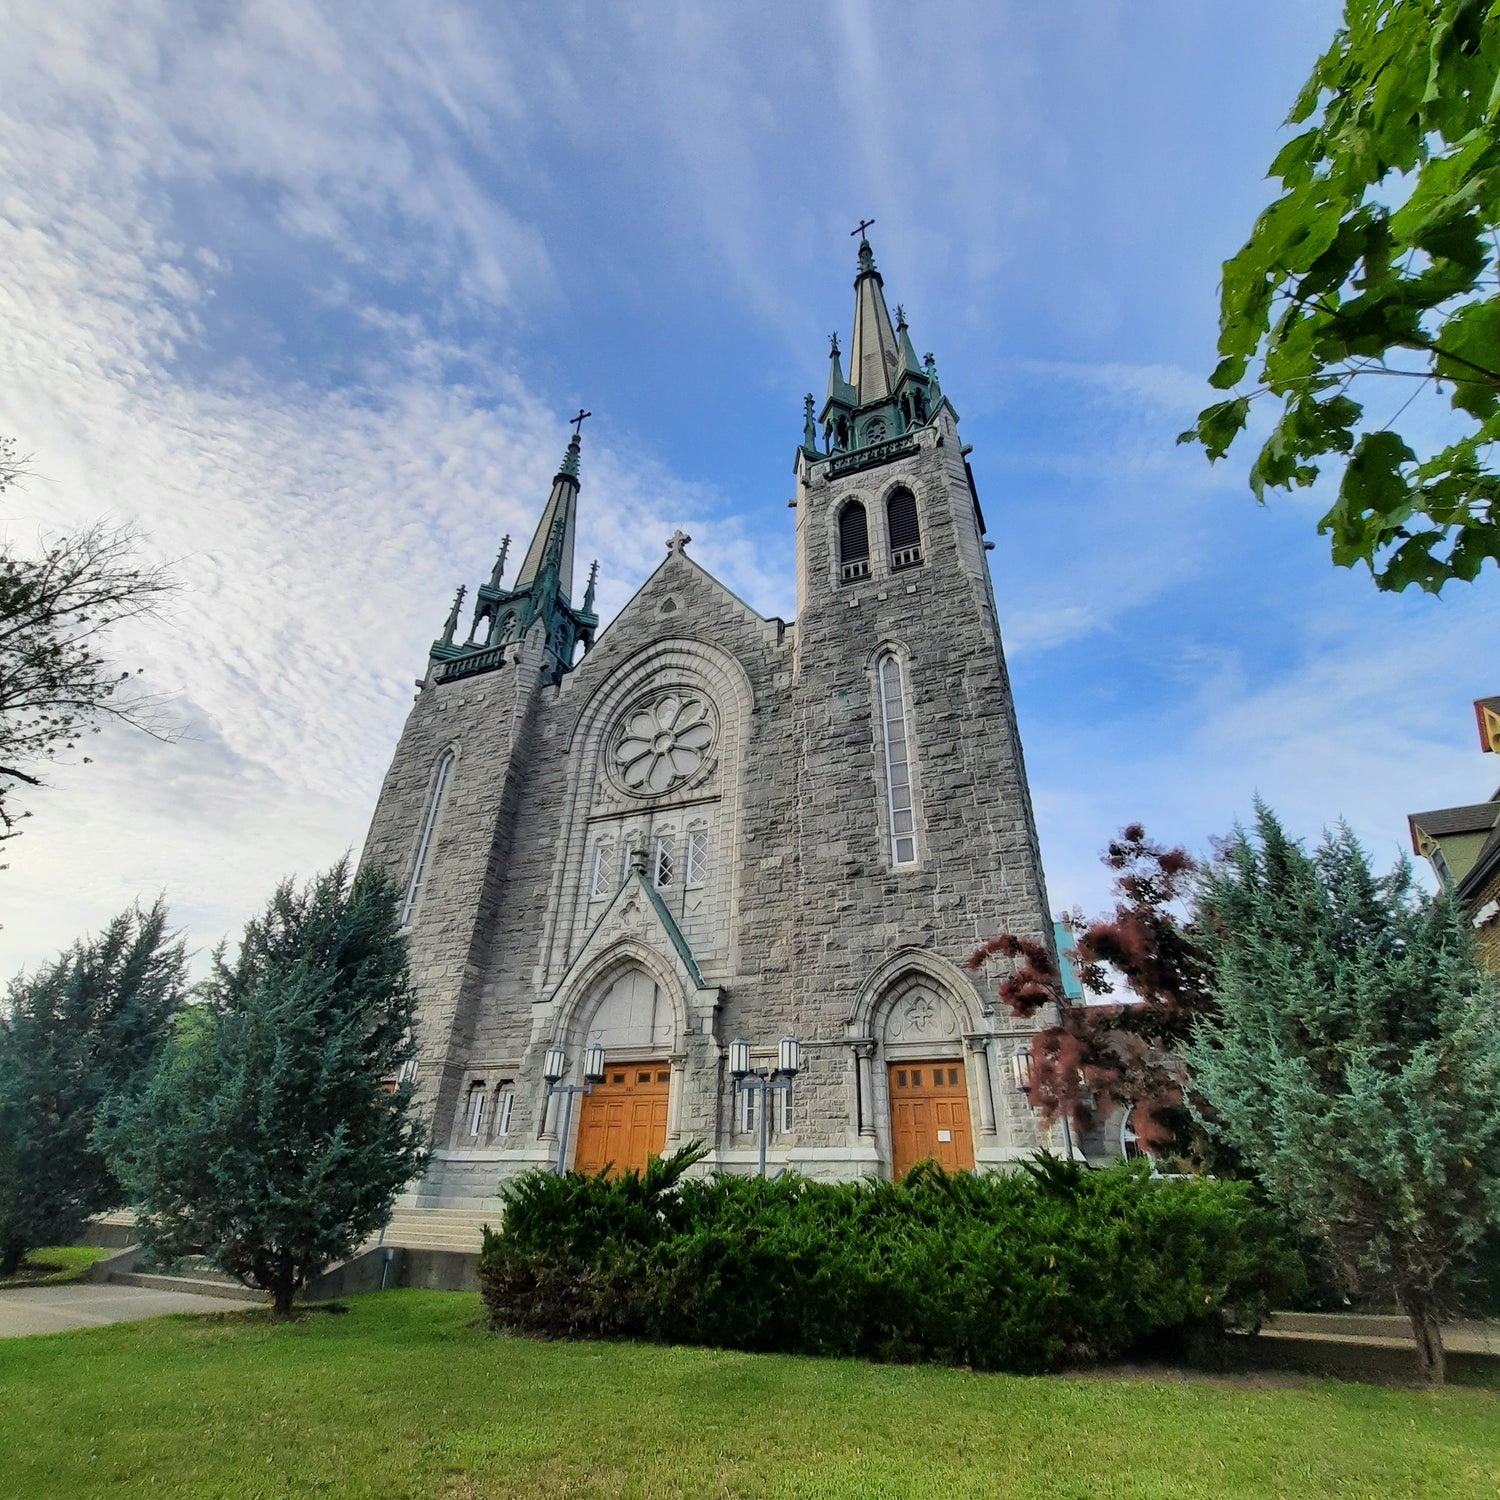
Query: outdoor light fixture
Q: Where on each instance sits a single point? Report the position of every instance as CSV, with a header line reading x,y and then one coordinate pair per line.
x,y
765,1081
554,1066
790,1061
1020,1069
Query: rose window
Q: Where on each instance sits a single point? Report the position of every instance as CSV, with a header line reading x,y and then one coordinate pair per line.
x,y
664,744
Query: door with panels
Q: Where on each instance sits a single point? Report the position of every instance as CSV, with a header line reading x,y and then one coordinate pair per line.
x,y
623,1123
930,1116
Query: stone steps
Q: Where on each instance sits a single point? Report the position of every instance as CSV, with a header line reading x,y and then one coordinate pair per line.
x,y
198,1286
439,1228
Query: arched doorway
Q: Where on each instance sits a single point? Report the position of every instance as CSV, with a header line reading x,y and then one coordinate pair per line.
x,y
927,1082
623,1122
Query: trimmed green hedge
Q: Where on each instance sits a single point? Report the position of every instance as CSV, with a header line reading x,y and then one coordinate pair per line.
x,y
1047,1266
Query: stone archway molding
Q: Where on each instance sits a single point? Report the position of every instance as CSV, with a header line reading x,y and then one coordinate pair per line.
x,y
636,931
888,981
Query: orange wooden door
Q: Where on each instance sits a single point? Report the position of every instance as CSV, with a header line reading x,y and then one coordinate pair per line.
x,y
930,1116
624,1121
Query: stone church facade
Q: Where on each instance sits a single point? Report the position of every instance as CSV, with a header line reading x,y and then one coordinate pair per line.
x,y
706,825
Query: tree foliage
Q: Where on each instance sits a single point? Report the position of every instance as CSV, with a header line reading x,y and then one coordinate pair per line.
x,y
1116,1054
57,683
1025,1270
1373,279
82,1030
274,1136
1354,1061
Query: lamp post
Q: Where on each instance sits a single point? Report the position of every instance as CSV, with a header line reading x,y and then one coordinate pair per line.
x,y
765,1081
1020,1072
554,1066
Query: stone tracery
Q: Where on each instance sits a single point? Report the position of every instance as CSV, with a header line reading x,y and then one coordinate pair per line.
x,y
663,743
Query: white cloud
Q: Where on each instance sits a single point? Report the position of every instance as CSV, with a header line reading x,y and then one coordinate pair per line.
x,y
318,530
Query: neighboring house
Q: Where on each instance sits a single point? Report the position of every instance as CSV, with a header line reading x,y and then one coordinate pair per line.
x,y
712,826
1463,846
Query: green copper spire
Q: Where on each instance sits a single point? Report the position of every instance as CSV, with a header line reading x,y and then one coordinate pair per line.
x,y
910,364
554,532
873,416
498,571
588,593
872,356
452,622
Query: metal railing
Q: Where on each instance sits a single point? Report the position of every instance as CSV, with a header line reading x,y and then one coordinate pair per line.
x,y
474,662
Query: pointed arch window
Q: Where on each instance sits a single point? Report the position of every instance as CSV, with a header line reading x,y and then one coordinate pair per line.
x,y
476,1108
696,872
604,869
424,846
664,868
854,542
897,762
904,529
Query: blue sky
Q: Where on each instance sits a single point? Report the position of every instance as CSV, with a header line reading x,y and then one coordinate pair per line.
x,y
309,291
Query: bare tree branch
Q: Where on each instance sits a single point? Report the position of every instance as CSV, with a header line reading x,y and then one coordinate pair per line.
x,y
56,681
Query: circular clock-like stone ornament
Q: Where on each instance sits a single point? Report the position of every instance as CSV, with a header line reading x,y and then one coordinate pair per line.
x,y
663,743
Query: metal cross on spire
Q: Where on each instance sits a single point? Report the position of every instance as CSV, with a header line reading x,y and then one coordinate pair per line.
x,y
864,224
577,423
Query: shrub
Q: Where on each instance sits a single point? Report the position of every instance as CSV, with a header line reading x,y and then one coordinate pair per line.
x,y
1051,1265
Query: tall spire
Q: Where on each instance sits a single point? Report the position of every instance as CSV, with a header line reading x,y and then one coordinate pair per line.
x,y
873,356
554,532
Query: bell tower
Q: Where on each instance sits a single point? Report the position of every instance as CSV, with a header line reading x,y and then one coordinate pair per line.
x,y
915,837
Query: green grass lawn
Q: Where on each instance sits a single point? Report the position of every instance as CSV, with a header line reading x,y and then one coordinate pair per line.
x,y
405,1396
56,1266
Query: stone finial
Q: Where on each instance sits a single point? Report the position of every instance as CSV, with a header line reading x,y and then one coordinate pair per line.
x,y
677,541
638,862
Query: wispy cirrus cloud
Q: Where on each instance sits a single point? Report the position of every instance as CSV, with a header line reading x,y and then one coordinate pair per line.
x,y
319,513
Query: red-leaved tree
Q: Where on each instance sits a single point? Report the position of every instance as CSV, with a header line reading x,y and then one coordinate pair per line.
x,y
1116,1054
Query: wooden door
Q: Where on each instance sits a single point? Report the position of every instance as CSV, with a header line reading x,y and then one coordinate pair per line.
x,y
624,1121
930,1116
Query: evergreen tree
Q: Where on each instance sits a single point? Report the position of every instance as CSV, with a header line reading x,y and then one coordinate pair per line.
x,y
1354,1061
275,1136
82,1030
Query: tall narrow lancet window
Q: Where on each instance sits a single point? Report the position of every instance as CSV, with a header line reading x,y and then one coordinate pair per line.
x,y
854,542
604,870
424,847
906,534
897,763
666,861
697,856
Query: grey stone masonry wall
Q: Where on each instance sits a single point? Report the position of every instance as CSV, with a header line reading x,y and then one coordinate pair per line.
x,y
860,919
793,917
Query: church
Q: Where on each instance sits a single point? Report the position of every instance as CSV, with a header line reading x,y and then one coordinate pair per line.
x,y
622,852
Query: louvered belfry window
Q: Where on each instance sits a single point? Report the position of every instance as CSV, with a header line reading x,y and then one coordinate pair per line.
x,y
906,533
854,542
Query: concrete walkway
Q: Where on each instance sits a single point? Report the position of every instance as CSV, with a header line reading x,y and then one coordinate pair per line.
x,y
56,1309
